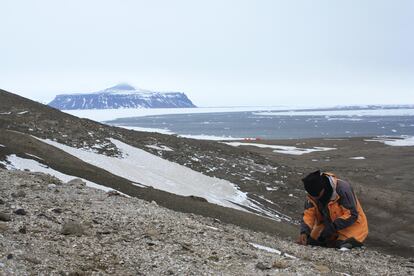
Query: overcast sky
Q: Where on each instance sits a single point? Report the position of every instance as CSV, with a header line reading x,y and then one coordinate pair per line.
x,y
220,53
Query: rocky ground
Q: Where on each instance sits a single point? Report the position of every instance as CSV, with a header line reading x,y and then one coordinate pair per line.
x,y
51,228
383,180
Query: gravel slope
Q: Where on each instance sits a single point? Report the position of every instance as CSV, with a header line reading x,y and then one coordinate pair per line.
x,y
47,227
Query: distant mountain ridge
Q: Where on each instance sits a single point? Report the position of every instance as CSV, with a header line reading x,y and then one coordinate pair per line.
x,y
121,96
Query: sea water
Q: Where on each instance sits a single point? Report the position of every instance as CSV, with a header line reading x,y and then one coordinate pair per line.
x,y
333,123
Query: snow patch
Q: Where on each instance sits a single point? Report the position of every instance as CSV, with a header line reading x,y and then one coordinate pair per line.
x,y
271,250
18,163
143,167
161,147
357,158
282,149
3,146
32,155
23,112
403,141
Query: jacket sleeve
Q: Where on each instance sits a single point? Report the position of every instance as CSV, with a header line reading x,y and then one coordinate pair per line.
x,y
308,219
348,204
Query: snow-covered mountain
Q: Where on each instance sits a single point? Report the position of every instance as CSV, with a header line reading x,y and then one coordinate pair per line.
x,y
121,96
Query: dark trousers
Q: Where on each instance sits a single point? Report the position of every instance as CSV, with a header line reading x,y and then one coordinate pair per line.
x,y
351,243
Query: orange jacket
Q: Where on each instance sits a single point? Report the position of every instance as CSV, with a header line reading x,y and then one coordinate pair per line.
x,y
345,212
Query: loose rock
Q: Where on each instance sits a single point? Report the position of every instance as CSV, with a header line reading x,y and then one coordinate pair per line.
x,y
20,212
4,216
72,228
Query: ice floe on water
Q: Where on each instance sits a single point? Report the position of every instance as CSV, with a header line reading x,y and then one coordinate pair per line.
x,y
344,112
403,141
111,114
18,163
281,149
145,168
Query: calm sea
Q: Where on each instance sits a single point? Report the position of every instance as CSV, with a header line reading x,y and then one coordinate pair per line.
x,y
282,125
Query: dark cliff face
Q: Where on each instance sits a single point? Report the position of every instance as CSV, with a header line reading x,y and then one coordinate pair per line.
x,y
121,96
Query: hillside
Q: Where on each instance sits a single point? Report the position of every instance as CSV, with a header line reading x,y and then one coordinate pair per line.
x,y
54,228
271,183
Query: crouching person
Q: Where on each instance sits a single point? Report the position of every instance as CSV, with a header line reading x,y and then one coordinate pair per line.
x,y
333,216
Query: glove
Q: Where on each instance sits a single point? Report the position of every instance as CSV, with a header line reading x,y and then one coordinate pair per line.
x,y
327,232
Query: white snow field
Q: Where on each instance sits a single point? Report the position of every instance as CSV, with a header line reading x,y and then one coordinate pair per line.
x,y
281,149
169,132
18,163
403,141
145,168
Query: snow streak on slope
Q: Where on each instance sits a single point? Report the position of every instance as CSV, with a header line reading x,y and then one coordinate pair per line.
x,y
281,149
143,167
18,163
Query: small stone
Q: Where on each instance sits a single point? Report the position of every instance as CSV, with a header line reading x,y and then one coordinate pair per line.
x,y
20,211
4,217
57,210
51,186
214,258
188,248
280,264
10,256
3,227
72,228
76,182
19,194
113,193
262,266
32,260
151,233
323,269
23,230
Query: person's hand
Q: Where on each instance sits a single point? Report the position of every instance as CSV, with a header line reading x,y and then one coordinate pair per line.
x,y
303,239
327,232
